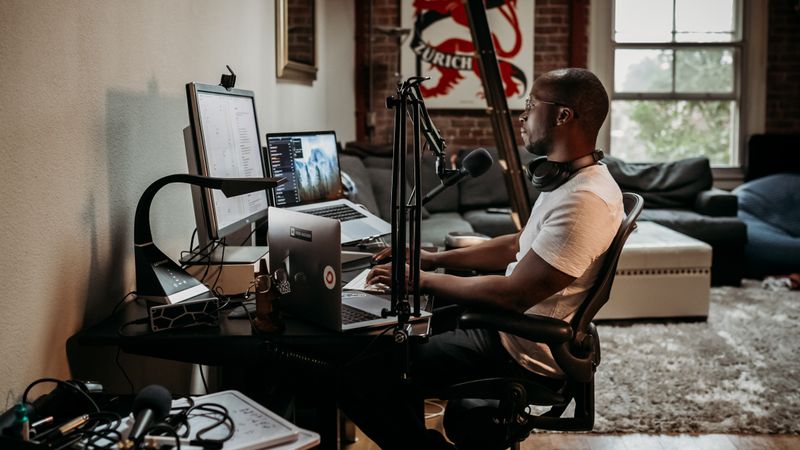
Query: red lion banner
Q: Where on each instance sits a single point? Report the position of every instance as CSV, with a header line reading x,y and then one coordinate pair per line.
x,y
441,47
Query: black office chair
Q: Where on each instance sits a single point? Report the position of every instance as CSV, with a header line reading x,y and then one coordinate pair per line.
x,y
494,413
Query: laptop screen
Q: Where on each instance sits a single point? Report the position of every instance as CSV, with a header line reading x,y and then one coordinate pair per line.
x,y
310,163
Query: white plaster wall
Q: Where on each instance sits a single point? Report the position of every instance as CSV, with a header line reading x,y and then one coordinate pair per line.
x,y
92,104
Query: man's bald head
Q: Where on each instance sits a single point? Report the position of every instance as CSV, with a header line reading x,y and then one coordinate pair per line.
x,y
578,89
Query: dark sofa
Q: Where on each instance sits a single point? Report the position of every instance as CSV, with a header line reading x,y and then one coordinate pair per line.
x,y
679,195
468,206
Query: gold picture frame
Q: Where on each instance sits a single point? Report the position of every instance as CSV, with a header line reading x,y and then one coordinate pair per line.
x,y
296,40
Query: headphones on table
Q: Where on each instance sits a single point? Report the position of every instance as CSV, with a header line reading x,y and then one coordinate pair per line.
x,y
547,175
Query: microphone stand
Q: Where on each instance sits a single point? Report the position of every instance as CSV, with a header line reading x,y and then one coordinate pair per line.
x,y
408,101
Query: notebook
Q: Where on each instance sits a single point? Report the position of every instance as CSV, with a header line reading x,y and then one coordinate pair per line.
x,y
310,163
307,247
256,427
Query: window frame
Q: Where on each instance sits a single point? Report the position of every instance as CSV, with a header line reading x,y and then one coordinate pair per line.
x,y
749,89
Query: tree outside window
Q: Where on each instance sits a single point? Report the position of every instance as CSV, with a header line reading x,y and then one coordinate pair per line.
x,y
676,71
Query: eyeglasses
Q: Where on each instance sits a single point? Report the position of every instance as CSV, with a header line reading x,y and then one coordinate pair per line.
x,y
530,106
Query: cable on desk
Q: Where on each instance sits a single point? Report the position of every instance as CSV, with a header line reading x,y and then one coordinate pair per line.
x,y
101,425
120,303
62,383
203,378
221,265
191,239
247,314
179,422
138,321
255,228
203,253
226,419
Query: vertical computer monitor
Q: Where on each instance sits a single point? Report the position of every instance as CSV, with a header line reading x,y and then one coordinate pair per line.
x,y
225,139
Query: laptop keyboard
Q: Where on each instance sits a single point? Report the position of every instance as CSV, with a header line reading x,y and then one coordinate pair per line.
x,y
342,213
355,315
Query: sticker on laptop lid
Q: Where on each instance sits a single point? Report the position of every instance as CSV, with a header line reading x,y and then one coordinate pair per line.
x,y
299,233
329,277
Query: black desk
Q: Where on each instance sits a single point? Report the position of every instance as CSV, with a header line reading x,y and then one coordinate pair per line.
x,y
233,344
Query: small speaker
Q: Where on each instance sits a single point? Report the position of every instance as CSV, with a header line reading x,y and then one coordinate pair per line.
x,y
188,313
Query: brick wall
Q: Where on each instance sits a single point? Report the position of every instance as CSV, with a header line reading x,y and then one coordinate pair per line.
x,y
553,42
783,68
301,27
461,128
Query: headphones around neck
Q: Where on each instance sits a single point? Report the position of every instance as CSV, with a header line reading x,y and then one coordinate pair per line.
x,y
547,175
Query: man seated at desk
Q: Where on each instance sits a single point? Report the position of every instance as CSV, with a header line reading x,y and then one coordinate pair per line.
x,y
549,267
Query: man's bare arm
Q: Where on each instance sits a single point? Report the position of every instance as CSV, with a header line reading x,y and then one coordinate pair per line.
x,y
488,256
532,281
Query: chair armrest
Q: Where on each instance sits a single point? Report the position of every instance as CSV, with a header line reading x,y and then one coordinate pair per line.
x,y
716,203
531,327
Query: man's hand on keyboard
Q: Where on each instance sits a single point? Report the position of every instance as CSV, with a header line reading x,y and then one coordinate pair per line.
x,y
382,274
359,283
426,259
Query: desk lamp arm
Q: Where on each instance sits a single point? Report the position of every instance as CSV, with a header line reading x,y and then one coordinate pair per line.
x,y
231,187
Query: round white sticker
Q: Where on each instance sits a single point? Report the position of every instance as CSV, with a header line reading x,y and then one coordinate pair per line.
x,y
329,277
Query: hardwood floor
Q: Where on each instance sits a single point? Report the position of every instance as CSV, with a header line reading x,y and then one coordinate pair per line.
x,y
635,441
568,441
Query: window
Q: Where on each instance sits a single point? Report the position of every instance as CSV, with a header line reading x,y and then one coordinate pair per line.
x,y
675,80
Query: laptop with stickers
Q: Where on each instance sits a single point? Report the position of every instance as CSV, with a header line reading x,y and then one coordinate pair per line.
x,y
308,248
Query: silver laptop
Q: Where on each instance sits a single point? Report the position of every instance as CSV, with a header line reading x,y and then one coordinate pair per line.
x,y
307,248
310,163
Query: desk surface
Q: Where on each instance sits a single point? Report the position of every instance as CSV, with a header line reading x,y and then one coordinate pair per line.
x,y
232,343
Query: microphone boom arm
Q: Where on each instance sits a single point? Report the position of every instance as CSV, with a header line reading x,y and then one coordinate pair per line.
x,y
432,135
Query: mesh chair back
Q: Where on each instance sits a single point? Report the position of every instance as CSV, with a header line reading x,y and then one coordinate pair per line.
x,y
598,296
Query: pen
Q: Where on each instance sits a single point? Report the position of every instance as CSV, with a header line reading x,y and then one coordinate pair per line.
x,y
72,424
65,428
39,423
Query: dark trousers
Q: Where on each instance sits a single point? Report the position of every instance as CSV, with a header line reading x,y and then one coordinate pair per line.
x,y
391,412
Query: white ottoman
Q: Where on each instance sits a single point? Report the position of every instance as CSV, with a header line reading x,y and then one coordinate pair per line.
x,y
661,273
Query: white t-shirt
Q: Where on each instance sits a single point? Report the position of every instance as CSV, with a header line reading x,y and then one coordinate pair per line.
x,y
571,228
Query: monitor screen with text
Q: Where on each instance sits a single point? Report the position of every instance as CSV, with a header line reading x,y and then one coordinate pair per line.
x,y
228,144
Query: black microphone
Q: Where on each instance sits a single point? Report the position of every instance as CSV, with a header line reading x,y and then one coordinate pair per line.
x,y
475,164
151,405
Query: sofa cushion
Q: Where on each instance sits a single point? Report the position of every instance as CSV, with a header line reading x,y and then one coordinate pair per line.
x,y
774,199
381,180
663,185
713,230
360,191
489,189
381,162
716,202
436,227
490,223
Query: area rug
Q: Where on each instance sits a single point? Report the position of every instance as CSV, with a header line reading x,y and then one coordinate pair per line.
x,y
739,372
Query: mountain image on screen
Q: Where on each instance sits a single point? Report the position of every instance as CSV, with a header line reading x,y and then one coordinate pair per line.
x,y
318,176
